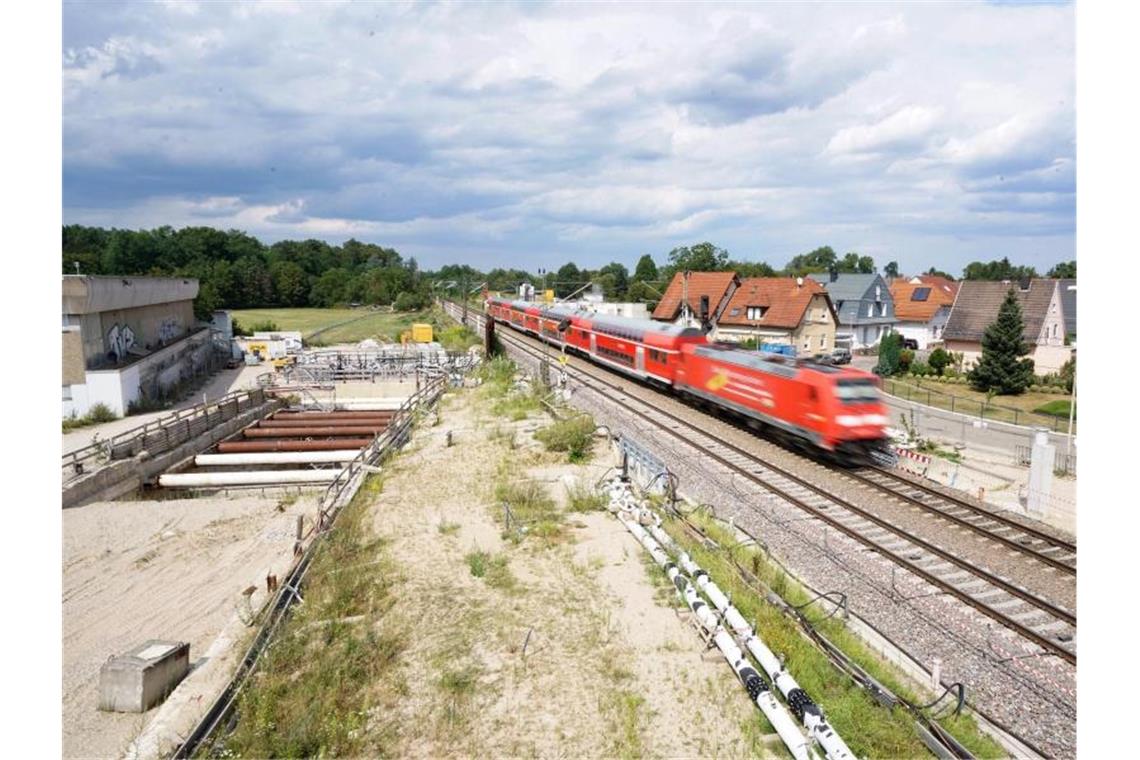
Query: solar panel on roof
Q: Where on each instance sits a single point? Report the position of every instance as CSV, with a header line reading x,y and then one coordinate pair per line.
x,y
920,294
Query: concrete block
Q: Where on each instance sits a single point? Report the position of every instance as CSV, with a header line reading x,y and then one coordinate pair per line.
x,y
141,678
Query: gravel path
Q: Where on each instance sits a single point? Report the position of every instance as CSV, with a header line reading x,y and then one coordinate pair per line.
x,y
1034,696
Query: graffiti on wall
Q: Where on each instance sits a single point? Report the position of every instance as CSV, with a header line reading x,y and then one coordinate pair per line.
x,y
169,330
120,339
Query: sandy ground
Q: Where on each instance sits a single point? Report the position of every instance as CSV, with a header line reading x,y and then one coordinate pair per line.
x,y
175,569
584,657
224,382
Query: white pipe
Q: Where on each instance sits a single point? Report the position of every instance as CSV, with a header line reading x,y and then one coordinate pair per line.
x,y
784,723
803,706
275,457
363,405
254,478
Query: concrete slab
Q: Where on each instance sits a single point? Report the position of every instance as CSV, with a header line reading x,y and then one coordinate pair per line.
x,y
142,677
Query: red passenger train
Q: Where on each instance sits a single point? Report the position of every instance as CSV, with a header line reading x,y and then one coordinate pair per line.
x,y
832,410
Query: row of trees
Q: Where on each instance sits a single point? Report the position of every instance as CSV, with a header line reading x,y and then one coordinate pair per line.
x,y
235,270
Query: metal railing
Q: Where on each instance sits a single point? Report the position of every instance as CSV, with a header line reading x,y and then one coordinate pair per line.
x,y
982,409
1064,463
158,436
329,506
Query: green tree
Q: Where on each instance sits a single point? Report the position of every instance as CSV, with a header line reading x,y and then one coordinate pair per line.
x,y
939,273
646,269
568,279
890,349
1001,368
752,268
891,270
1066,270
614,279
996,270
331,288
938,360
290,283
819,260
702,257
853,262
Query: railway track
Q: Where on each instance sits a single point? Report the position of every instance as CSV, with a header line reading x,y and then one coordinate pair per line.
x,y
1026,539
1049,626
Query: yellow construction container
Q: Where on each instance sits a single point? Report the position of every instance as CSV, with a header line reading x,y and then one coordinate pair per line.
x,y
548,296
421,333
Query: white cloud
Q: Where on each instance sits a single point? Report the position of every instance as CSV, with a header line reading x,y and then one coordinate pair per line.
x,y
598,131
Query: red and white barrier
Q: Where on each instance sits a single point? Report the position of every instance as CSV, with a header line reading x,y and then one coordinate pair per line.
x,y
913,462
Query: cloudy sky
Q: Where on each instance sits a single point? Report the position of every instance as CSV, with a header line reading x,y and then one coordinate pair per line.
x,y
529,135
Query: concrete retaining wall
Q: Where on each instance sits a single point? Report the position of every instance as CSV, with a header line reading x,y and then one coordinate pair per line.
x,y
120,478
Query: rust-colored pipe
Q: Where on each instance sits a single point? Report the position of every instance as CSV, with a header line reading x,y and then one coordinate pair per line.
x,y
238,447
313,432
322,423
284,415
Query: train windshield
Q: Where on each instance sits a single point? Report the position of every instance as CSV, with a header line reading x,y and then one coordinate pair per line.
x,y
857,391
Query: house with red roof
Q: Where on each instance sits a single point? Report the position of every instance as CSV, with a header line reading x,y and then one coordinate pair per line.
x,y
689,292
922,307
795,311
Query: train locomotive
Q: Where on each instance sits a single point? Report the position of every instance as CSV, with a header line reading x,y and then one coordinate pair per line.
x,y
835,412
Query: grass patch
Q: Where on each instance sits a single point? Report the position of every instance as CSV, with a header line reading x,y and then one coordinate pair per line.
x,y
575,436
1057,408
492,568
582,498
531,511
626,718
508,399
96,415
448,528
335,658
870,730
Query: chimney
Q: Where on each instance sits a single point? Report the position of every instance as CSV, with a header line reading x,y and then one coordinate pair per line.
x,y
799,282
704,308
1023,283
833,273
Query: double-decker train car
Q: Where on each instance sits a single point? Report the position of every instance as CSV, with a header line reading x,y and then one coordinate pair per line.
x,y
824,408
821,406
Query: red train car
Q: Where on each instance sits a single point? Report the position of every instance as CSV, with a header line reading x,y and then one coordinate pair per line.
x,y
641,348
833,409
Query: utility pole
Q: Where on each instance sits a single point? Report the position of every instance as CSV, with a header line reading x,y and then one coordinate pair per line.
x,y
464,290
686,312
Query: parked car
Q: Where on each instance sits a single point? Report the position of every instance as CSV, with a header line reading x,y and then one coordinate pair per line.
x,y
841,356
910,343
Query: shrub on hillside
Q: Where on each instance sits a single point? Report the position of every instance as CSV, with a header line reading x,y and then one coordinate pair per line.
x,y
938,360
101,413
574,436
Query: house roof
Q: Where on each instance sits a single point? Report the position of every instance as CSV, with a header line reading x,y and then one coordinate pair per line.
x,y
978,303
715,285
919,302
935,280
848,286
851,290
1069,304
784,302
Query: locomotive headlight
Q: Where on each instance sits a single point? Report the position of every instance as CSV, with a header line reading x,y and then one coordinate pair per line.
x,y
849,420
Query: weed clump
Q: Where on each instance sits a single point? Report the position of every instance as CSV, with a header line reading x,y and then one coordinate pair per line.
x,y
575,436
510,399
97,414
581,498
525,508
492,568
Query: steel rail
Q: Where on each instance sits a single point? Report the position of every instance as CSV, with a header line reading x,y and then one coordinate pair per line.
x,y
1057,612
1040,535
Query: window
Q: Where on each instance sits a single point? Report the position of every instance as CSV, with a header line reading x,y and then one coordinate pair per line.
x,y
822,341
735,312
67,393
757,312
856,391
878,293
883,309
870,310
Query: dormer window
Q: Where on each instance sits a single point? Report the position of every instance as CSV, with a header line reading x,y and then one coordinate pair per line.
x,y
756,313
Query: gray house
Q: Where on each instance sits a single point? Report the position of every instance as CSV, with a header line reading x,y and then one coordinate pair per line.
x,y
864,304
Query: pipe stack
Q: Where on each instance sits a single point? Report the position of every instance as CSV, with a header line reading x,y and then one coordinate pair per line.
x,y
622,505
801,705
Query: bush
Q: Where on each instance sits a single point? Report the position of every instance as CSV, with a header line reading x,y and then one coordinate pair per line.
x,y
919,369
906,358
950,373
265,325
938,360
409,301
101,413
574,436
